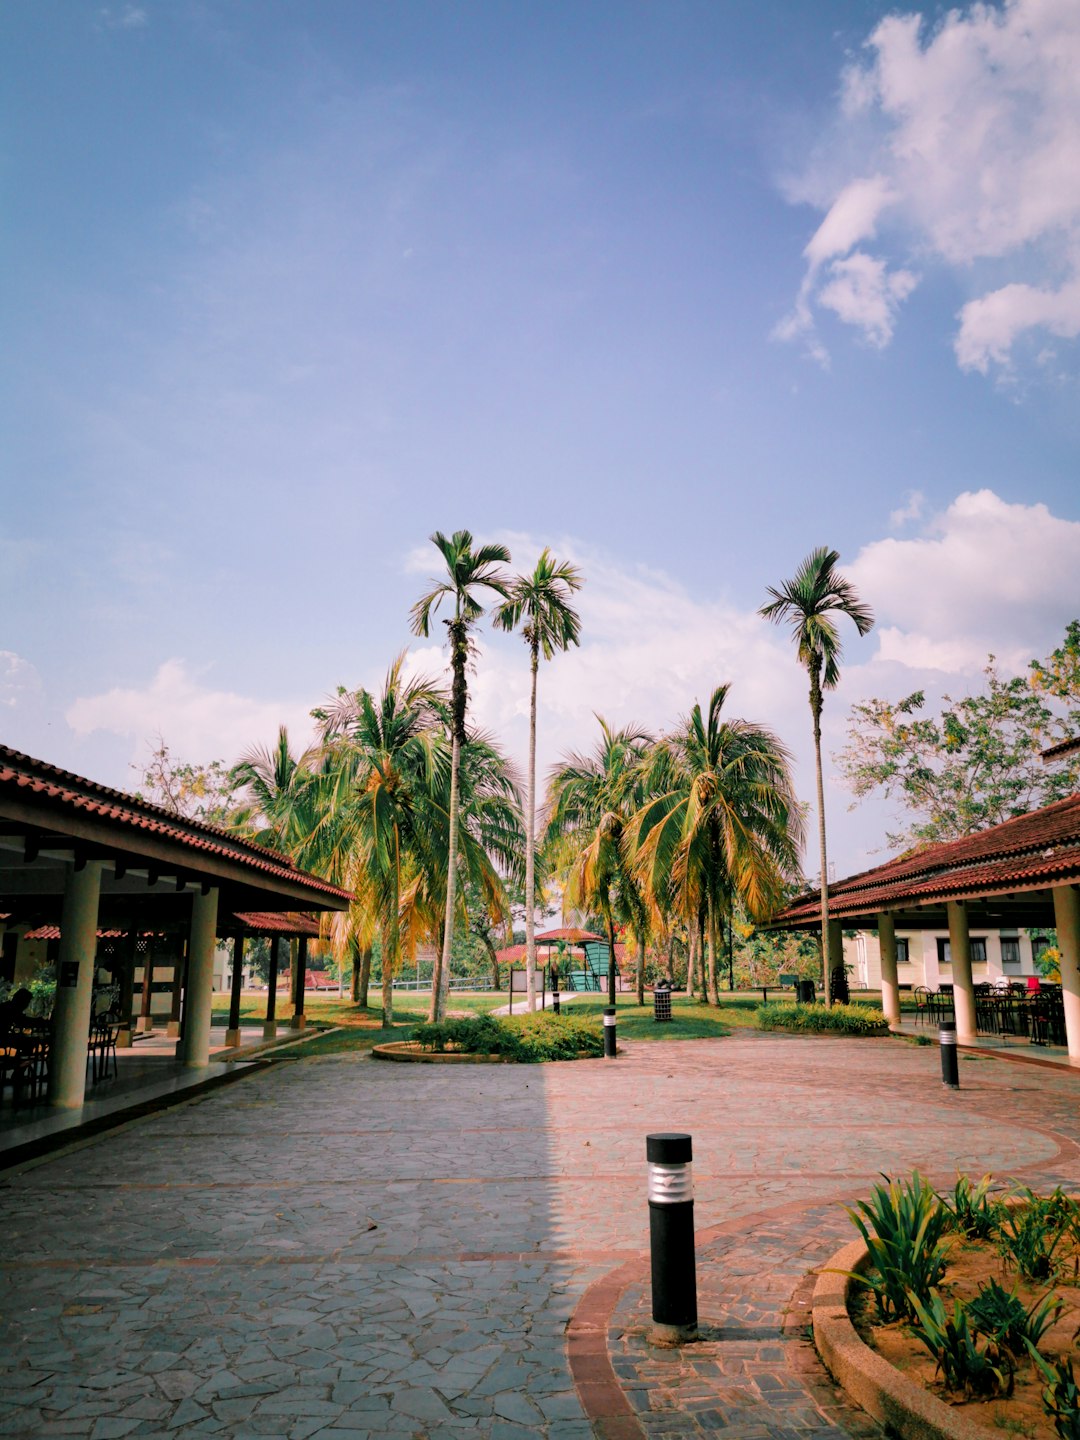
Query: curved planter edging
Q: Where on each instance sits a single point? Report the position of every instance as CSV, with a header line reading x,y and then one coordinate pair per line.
x,y
883,1391
409,1051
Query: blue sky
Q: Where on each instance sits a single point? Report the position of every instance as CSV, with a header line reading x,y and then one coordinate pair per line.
x,y
682,290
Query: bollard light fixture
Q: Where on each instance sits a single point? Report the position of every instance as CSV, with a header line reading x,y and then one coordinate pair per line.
x,y
950,1070
671,1235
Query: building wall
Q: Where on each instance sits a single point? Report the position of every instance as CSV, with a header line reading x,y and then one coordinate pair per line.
x,y
923,966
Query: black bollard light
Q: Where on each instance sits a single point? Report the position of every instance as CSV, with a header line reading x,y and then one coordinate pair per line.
x,y
671,1238
609,1032
950,1070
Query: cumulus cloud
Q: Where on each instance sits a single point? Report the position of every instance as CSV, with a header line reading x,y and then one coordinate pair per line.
x,y
198,722
912,509
126,17
19,681
964,137
986,576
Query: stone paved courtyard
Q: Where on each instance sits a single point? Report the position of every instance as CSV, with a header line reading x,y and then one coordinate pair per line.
x,y
340,1248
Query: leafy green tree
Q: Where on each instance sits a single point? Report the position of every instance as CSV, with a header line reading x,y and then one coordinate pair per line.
x,y
278,795
975,764
468,571
722,822
540,604
591,800
197,792
382,758
807,603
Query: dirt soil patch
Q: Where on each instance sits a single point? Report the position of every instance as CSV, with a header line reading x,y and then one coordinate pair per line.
x,y
971,1264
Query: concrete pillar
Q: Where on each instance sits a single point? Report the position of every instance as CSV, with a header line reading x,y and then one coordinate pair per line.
x,y
890,986
1067,921
232,1035
836,954
298,1020
145,1022
194,1044
127,989
174,1025
963,988
74,986
270,1023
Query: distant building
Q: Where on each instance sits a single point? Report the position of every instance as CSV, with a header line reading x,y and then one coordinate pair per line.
x,y
923,958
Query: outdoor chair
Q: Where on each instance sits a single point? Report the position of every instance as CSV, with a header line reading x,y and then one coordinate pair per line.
x,y
102,1048
922,997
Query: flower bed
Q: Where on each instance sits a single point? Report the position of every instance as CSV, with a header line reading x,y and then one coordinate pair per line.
x,y
523,1039
957,1317
817,1020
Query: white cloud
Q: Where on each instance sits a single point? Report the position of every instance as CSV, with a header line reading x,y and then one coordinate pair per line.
x,y
128,17
912,509
863,293
969,131
990,325
988,576
19,681
199,723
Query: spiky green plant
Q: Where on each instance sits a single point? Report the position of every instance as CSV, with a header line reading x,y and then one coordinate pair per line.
x,y
903,1224
961,1362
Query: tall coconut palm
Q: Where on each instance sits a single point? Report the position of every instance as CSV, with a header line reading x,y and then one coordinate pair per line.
x,y
590,802
807,603
726,822
540,604
383,761
468,571
279,806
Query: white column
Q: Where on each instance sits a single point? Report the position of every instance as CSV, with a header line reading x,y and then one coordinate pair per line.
x,y
1067,921
199,1000
890,986
74,986
836,952
963,988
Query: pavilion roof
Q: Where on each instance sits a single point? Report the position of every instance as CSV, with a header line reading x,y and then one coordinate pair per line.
x,y
568,935
48,811
1029,853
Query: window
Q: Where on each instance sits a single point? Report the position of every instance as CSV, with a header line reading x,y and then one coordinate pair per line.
x,y
976,945
903,952
1010,952
1039,943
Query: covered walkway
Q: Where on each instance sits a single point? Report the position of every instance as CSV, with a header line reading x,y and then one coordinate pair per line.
x,y
1022,874
90,861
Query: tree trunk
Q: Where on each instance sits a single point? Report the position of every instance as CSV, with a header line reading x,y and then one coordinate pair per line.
x,y
354,982
703,989
815,707
641,970
712,989
731,951
440,979
530,841
365,976
691,961
611,959
671,959
493,956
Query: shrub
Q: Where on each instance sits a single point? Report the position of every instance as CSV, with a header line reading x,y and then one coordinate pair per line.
x,y
999,1314
1061,1398
524,1038
817,1020
955,1347
974,1213
906,1248
1030,1233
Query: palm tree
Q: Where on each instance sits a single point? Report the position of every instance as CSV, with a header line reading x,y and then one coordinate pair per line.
x,y
383,758
542,601
590,801
280,807
807,602
468,571
722,821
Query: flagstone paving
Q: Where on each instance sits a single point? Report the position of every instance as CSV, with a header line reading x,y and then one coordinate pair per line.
x,y
336,1248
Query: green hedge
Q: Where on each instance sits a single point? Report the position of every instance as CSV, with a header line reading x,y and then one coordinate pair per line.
x,y
816,1020
523,1038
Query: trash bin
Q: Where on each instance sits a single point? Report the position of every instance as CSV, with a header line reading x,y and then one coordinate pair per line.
x,y
804,992
661,999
